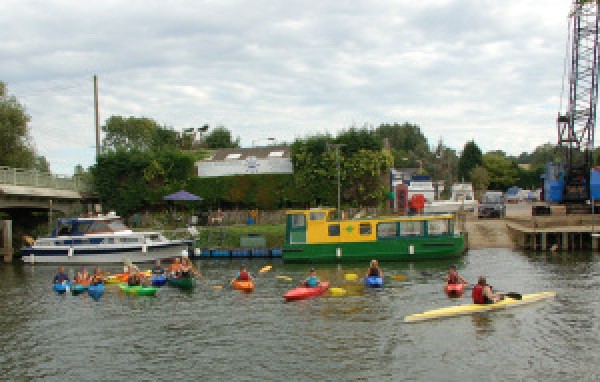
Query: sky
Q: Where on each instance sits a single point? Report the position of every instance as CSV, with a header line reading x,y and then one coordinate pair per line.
x,y
486,70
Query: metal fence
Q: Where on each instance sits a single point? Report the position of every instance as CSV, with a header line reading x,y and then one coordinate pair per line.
x,y
34,178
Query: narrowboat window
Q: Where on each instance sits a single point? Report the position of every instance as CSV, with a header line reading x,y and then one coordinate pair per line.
x,y
438,227
411,228
365,228
334,230
298,221
317,215
387,230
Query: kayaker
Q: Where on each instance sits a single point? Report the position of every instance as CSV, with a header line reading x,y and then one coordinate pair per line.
x,y
97,278
483,293
453,277
158,268
312,281
374,270
175,268
189,267
82,277
134,278
61,276
242,275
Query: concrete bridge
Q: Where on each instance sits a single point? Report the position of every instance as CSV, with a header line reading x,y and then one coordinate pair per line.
x,y
31,189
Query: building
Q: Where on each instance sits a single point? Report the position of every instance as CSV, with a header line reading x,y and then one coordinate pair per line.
x,y
246,161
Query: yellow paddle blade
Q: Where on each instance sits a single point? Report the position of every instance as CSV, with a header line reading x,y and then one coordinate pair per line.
x,y
337,291
399,277
351,276
266,268
282,277
218,286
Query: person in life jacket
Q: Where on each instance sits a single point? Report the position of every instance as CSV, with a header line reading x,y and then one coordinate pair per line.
x,y
134,278
483,293
158,268
175,268
61,276
453,277
243,275
374,270
82,277
312,281
97,277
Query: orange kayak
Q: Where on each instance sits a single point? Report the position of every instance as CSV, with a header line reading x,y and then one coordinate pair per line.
x,y
247,286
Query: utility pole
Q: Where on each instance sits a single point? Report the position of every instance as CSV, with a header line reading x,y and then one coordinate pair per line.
x,y
97,117
337,160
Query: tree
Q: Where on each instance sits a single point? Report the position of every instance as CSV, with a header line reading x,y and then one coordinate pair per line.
x,y
480,178
220,138
135,133
16,147
471,157
503,173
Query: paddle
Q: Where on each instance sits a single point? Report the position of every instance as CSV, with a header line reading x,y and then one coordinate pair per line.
x,y
513,295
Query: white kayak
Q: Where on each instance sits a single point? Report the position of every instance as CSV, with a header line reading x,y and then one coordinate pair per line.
x,y
458,310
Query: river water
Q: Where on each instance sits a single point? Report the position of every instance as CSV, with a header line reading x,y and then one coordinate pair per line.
x,y
223,334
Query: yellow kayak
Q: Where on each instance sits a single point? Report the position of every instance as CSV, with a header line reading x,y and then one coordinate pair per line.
x,y
459,310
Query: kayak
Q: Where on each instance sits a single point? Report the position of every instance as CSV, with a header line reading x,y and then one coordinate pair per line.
x,y
96,290
454,290
182,282
78,289
159,280
374,282
302,292
113,279
139,290
247,286
62,287
458,310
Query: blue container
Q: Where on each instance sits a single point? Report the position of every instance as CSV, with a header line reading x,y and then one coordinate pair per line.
x,y
260,253
220,253
240,253
553,190
276,253
595,185
205,253
159,280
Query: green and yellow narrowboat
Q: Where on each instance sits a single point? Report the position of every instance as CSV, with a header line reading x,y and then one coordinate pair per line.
x,y
313,236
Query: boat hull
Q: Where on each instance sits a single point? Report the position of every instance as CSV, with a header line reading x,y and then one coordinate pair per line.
x,y
247,286
459,310
182,282
138,290
374,282
397,249
96,290
303,293
159,280
95,255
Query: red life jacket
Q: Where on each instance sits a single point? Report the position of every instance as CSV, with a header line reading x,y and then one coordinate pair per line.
x,y
453,279
243,276
478,297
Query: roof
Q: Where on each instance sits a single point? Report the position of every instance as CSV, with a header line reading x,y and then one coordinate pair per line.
x,y
256,152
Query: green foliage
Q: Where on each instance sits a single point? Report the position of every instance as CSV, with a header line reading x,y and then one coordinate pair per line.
x,y
406,137
220,138
139,134
503,172
480,178
127,181
16,147
471,157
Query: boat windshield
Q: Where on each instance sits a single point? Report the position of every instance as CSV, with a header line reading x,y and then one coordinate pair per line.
x,y
117,225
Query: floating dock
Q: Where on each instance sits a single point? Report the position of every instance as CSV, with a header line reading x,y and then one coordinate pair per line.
x,y
239,253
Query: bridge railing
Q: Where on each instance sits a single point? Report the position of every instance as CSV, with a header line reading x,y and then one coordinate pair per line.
x,y
34,178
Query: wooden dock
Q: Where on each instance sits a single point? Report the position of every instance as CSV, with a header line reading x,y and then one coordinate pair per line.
x,y
552,233
6,248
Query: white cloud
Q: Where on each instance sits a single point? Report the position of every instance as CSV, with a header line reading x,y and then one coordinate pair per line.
x,y
461,69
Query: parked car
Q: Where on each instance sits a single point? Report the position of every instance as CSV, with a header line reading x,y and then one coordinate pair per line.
x,y
492,205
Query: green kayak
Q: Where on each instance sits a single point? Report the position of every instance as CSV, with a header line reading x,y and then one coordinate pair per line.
x,y
139,290
183,282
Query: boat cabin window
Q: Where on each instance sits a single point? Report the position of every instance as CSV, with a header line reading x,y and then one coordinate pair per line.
x,y
116,225
387,230
412,228
298,221
99,226
109,240
317,216
365,228
129,240
334,230
438,227
64,228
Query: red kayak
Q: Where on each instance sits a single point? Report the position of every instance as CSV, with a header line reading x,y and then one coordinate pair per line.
x,y
302,292
454,290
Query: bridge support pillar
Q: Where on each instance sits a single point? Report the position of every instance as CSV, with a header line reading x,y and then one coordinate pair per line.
x,y
6,249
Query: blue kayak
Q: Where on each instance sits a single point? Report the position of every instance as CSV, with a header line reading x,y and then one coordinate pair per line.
x,y
62,287
159,280
78,288
374,282
96,290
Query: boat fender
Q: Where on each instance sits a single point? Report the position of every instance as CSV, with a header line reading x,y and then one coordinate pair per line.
x,y
411,249
144,248
32,258
70,252
338,252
